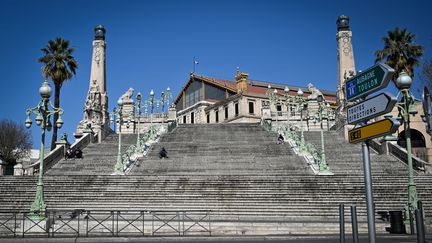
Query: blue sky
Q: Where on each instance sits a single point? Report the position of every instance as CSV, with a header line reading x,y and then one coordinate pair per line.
x,y
151,44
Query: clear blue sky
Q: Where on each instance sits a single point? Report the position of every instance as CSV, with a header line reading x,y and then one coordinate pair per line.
x,y
151,44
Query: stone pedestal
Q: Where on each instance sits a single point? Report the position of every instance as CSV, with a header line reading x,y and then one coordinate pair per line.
x,y
18,169
172,113
128,126
63,142
2,167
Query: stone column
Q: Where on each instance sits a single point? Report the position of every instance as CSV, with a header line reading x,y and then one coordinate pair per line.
x,y
346,65
96,104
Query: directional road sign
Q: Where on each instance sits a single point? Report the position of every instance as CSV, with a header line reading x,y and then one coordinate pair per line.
x,y
370,108
373,130
368,81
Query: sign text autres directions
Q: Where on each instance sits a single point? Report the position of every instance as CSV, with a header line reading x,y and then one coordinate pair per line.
x,y
370,108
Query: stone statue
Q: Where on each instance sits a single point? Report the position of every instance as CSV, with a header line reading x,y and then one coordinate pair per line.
x,y
314,91
127,97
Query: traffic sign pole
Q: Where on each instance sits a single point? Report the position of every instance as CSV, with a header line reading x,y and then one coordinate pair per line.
x,y
369,194
358,87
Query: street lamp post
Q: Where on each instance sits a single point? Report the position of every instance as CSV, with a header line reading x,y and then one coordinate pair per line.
x,y
43,115
323,167
288,101
163,102
273,98
276,102
328,113
300,101
151,107
119,167
138,108
403,83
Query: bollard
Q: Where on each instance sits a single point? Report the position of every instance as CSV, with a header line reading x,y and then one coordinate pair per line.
x,y
341,223
420,223
354,224
420,233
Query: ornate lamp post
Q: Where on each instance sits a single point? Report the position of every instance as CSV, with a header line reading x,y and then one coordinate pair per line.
x,y
301,102
138,108
329,115
403,83
151,104
288,102
43,115
273,98
164,100
269,95
168,97
323,167
119,167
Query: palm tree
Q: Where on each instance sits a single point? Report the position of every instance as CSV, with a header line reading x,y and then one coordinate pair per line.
x,y
59,66
400,51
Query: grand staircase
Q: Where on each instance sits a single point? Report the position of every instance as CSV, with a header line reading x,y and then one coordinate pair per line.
x,y
250,184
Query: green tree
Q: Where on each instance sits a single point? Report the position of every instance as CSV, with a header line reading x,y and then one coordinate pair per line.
x,y
15,141
400,52
59,66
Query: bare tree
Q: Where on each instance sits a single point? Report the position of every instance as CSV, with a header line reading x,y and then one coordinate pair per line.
x,y
426,74
15,141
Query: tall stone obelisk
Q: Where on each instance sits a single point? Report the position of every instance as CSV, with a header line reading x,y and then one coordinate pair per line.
x,y
346,63
96,105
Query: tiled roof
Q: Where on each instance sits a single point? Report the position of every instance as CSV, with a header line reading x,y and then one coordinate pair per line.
x,y
256,87
219,82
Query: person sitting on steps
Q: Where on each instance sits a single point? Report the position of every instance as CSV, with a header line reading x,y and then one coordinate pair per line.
x,y
280,139
163,153
78,153
69,154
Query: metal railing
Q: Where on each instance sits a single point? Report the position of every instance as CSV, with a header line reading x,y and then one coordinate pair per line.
x,y
82,223
401,154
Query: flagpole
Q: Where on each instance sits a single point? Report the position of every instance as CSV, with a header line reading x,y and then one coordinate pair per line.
x,y
194,63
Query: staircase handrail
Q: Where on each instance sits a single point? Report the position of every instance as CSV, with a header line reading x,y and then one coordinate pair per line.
x,y
57,154
131,155
401,154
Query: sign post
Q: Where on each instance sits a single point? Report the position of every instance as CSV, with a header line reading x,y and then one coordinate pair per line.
x,y
359,86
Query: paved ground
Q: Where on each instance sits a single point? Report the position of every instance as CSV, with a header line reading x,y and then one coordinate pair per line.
x,y
281,239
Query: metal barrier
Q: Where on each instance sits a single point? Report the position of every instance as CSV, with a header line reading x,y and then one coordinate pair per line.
x,y
82,223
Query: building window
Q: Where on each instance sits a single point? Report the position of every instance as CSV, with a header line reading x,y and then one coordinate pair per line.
x,y
279,109
226,112
236,108
251,107
184,119
208,118
217,116
192,117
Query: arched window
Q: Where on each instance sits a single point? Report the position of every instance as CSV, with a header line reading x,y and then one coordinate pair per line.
x,y
417,139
